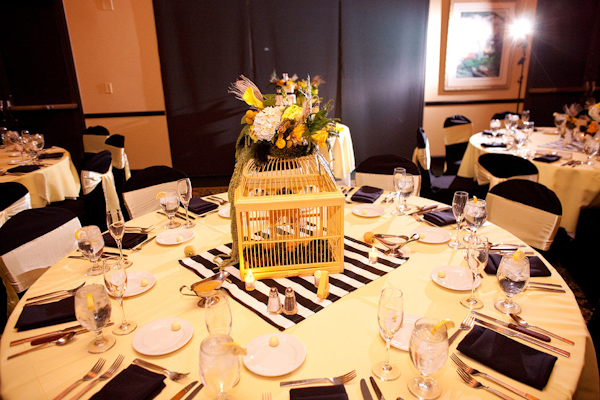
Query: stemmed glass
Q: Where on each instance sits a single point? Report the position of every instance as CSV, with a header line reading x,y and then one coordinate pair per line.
x,y
513,276
399,175
408,185
38,145
169,203
218,314
184,191
219,364
91,243
477,258
428,353
559,122
116,227
458,209
525,116
115,278
92,310
507,122
475,215
390,314
494,127
590,147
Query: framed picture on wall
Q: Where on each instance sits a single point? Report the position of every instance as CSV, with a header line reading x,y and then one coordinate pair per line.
x,y
478,49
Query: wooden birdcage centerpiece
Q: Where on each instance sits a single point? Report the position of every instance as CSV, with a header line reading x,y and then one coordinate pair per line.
x,y
289,217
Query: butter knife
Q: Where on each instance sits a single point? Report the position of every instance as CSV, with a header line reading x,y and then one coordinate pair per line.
x,y
364,389
378,393
515,327
184,391
195,392
423,210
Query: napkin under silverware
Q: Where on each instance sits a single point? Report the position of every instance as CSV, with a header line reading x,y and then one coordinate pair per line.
x,y
47,314
200,206
336,392
536,266
129,241
440,218
366,194
133,383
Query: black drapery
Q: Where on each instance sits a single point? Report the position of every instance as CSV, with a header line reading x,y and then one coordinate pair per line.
x,y
370,53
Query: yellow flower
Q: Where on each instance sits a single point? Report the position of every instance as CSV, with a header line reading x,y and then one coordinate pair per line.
x,y
289,144
592,127
249,117
251,99
320,138
280,141
293,112
251,133
298,131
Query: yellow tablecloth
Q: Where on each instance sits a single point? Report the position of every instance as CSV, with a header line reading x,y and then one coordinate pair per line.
x,y
341,337
57,180
576,187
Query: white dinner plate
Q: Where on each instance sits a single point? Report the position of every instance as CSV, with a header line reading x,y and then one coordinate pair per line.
x,y
432,234
368,210
158,338
265,360
225,211
134,283
402,337
457,278
171,236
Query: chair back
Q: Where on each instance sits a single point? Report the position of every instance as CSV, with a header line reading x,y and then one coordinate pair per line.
x,y
529,210
495,168
378,171
457,131
120,163
502,115
94,138
139,192
99,191
15,198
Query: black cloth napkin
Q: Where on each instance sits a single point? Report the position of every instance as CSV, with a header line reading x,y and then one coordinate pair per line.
x,y
440,218
47,314
130,240
487,132
367,194
509,357
45,156
536,266
337,392
200,206
24,168
133,383
548,158
498,145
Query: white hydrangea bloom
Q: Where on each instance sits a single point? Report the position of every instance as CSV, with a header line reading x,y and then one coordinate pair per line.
x,y
594,112
266,123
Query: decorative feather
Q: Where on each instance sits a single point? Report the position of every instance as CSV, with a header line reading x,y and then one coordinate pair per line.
x,y
239,87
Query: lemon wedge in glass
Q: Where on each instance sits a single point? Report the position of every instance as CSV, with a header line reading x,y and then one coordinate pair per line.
x,y
445,322
518,255
160,195
235,348
90,302
79,233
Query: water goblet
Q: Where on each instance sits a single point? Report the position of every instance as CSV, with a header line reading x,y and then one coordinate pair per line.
x,y
477,259
408,186
507,122
390,314
525,116
428,353
91,243
590,147
38,142
218,314
116,227
513,276
170,204
475,215
92,310
399,175
115,279
184,192
559,122
219,364
495,127
458,209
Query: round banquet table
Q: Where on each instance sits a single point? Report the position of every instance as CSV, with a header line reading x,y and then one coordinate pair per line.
x,y
576,187
341,337
56,180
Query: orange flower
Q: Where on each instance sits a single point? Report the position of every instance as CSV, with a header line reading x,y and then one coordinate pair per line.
x,y
249,117
592,127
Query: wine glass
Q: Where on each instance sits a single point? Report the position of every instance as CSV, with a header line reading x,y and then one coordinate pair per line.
x,y
218,314
428,352
115,279
116,227
169,204
507,123
399,175
559,122
494,127
458,209
91,243
590,147
92,310
513,276
219,364
390,314
477,258
38,143
408,186
475,215
525,116
184,191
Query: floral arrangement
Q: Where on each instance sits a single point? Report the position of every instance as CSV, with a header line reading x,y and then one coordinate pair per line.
x,y
286,130
295,85
581,123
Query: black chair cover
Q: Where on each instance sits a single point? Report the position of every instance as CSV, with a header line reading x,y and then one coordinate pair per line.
x,y
502,114
94,202
385,165
11,192
118,173
530,193
455,152
456,119
506,165
97,130
152,176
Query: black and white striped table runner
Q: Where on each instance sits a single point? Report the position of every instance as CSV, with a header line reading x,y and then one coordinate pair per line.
x,y
357,272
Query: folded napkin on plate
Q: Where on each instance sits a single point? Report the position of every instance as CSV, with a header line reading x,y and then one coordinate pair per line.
x,y
133,383
47,314
498,145
130,240
24,168
548,158
45,156
509,357
440,218
367,194
536,266
487,132
200,206
337,392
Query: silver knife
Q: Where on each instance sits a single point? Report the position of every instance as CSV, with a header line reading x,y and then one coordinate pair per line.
x,y
376,389
515,327
184,391
508,332
365,390
546,288
195,392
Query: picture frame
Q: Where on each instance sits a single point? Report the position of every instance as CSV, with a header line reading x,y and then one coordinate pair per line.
x,y
478,51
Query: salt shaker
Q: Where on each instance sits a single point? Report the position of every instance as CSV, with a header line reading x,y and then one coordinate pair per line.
x,y
290,307
274,303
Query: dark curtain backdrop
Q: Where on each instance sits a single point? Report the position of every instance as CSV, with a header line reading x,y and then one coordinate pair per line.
x,y
370,53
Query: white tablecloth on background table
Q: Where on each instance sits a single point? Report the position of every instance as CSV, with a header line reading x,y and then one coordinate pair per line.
x,y
341,155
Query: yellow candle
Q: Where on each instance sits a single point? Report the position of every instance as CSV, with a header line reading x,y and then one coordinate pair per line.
x,y
317,278
250,281
373,254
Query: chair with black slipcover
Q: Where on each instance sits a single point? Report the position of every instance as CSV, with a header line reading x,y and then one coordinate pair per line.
x,y
501,115
139,192
492,168
15,198
378,171
529,210
120,163
457,131
94,138
98,186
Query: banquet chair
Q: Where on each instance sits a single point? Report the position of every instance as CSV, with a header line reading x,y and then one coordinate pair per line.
x,y
94,138
491,168
120,164
501,115
528,210
378,171
15,198
98,186
457,131
139,192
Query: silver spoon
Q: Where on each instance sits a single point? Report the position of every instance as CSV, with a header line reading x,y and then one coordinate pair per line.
x,y
524,324
60,342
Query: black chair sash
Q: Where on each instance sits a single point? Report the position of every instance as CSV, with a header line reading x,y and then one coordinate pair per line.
x,y
385,165
530,193
152,176
507,165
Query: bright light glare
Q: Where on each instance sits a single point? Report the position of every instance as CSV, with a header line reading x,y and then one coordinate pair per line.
x,y
521,28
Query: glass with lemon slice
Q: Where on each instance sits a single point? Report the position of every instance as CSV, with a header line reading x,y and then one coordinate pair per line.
x,y
169,202
475,215
220,363
91,244
92,310
513,276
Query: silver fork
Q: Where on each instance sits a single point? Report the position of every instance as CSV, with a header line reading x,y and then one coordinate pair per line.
x,y
217,199
472,382
174,376
465,325
107,375
266,396
338,380
87,377
473,371
139,229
